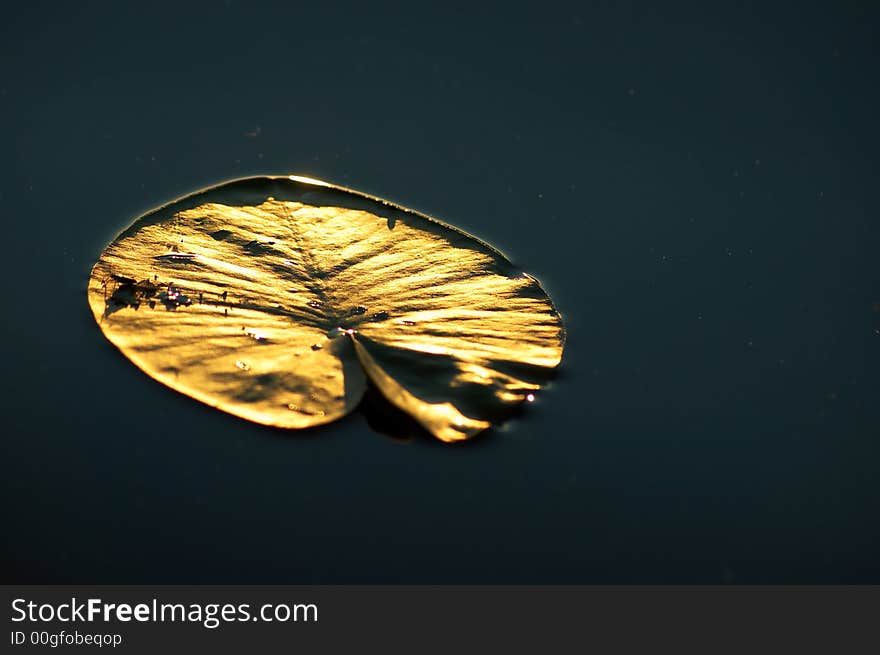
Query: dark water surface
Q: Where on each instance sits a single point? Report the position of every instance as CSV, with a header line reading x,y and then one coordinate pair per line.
x,y
695,186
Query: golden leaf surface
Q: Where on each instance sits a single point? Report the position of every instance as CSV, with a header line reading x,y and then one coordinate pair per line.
x,y
276,298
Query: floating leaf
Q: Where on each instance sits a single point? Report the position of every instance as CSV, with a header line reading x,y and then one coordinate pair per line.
x,y
276,298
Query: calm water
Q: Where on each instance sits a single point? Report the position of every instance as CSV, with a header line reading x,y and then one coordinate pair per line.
x,y
695,188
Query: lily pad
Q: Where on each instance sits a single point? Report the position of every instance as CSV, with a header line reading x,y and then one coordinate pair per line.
x,y
276,299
